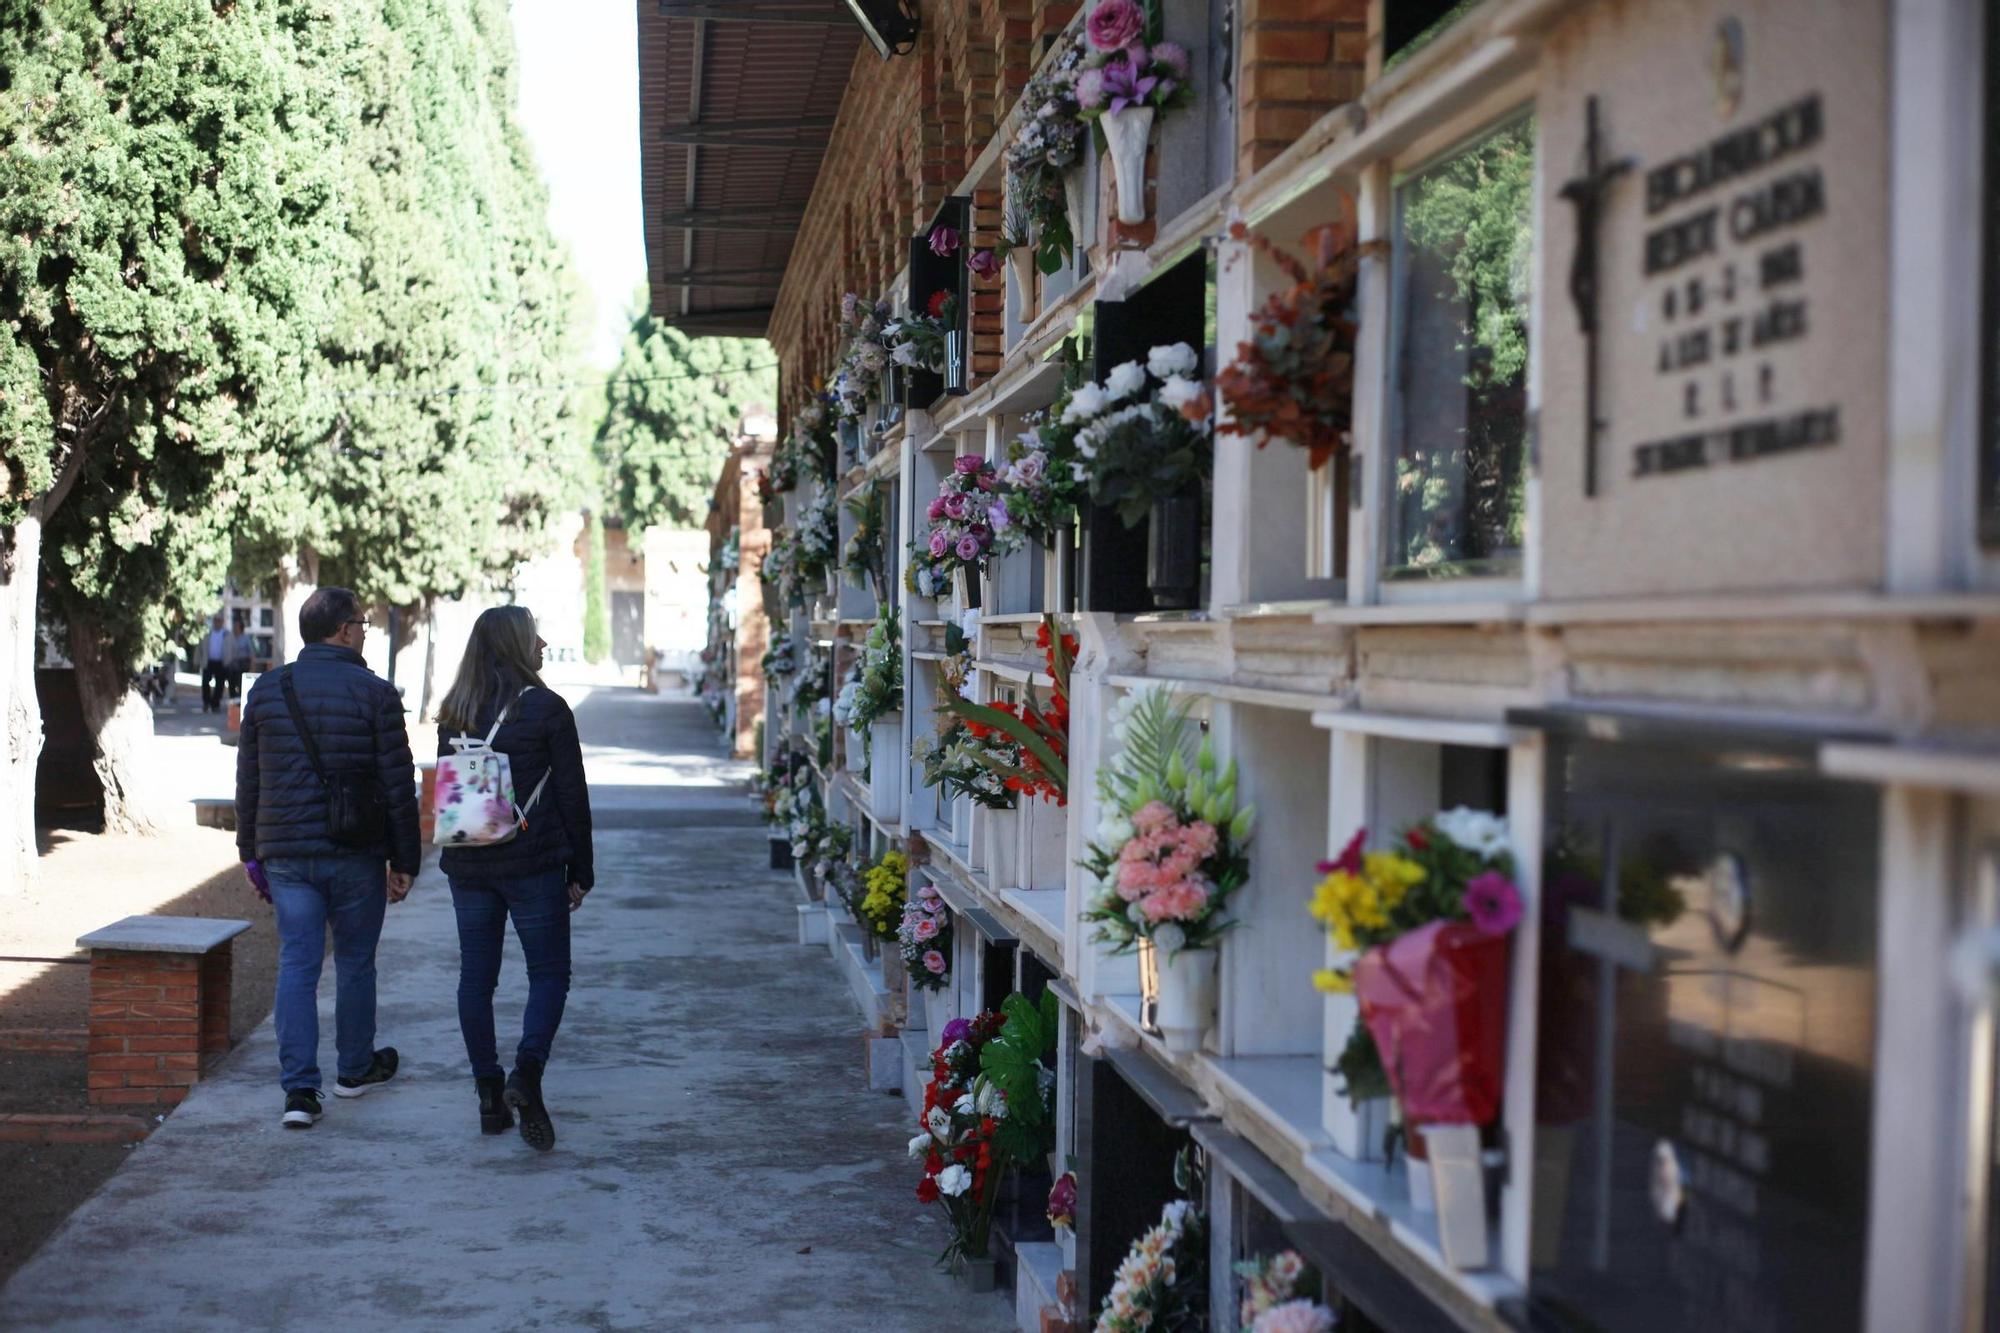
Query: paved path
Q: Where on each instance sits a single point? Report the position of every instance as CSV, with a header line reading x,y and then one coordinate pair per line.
x,y
719,1164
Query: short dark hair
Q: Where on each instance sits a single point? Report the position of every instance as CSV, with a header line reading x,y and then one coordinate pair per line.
x,y
325,612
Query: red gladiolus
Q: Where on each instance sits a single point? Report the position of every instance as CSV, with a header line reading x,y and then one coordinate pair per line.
x,y
927,1190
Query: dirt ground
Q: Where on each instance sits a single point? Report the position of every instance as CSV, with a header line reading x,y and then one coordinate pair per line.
x,y
87,881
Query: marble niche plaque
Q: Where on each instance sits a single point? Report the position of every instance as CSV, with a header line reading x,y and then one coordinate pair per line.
x,y
1739,263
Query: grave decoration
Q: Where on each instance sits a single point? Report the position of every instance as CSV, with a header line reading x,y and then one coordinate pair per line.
x,y
955,1142
966,524
866,554
865,356
1034,758
1166,858
924,937
1046,148
1270,1303
884,889
1162,1284
1123,84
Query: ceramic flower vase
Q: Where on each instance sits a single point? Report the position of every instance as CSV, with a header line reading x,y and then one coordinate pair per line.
x,y
1177,990
885,767
1173,552
937,1011
1126,133
1059,573
1073,204
1021,260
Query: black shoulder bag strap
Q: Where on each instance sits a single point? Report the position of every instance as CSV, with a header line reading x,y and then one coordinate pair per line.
x,y
299,721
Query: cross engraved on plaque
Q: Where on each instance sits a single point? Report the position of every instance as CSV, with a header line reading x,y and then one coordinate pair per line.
x,y
1586,194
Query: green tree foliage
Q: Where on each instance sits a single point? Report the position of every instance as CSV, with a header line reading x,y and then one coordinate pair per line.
x,y
673,406
596,599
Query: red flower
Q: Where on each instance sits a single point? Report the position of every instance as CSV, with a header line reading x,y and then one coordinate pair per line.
x,y
933,1163
927,1190
1349,858
935,306
1417,838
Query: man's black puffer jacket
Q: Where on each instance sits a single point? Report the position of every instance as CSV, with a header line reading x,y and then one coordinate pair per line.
x,y
538,737
357,718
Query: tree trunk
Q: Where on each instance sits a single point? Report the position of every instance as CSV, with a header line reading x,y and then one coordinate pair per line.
x,y
430,658
20,713
298,579
120,723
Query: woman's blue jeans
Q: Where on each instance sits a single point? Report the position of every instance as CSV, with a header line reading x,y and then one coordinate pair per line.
x,y
539,905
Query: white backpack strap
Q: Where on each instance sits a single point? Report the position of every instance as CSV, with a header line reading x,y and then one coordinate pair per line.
x,y
505,713
534,796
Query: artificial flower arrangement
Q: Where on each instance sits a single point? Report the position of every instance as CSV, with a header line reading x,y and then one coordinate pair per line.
x,y
1043,481
1270,1300
918,340
1429,920
967,522
1034,759
1143,434
865,356
1293,378
779,571
775,783
1170,848
779,660
1048,141
924,936
865,557
767,491
816,538
885,886
1021,1063
880,689
1061,1208
1123,84
845,879
1162,1284
955,1141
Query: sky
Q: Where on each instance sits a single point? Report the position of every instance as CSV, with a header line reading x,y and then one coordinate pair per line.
x,y
579,84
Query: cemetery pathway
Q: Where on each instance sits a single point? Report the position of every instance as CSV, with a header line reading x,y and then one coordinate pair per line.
x,y
719,1165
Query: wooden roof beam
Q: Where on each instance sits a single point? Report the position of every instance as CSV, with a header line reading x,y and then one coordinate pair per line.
x,y
734,11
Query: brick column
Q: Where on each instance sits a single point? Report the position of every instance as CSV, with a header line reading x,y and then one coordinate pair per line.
x,y
146,1026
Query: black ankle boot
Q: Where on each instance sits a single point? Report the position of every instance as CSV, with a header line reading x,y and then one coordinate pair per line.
x,y
524,1094
494,1117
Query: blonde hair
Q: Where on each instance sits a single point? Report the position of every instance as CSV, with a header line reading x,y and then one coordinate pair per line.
x,y
502,646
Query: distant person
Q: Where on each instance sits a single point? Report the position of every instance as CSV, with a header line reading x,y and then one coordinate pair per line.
x,y
538,877
217,652
326,813
239,655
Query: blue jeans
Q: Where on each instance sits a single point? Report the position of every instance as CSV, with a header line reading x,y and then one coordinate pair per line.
x,y
539,904
309,892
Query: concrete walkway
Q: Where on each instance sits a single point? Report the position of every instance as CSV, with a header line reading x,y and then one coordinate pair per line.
x,y
719,1165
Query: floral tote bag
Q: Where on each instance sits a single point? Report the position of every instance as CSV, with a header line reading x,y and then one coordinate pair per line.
x,y
475,792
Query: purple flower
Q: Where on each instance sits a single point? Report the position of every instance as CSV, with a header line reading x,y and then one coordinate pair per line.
x,y
955,1031
1124,86
954,506
967,463
968,548
999,516
944,242
1114,24
936,510
984,262
1174,56
939,544
1493,903
988,482
1090,89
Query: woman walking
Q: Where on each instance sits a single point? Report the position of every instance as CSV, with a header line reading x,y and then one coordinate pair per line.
x,y
537,878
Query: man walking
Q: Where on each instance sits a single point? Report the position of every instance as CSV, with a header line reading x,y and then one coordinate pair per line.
x,y
217,653
326,812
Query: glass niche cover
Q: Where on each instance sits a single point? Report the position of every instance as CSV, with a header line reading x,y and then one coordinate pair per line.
x,y
1462,259
1705,1044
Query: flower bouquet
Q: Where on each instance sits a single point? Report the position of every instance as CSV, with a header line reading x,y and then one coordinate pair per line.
x,y
918,341
1163,1282
885,886
1430,920
1061,1210
1038,762
1048,141
817,537
1142,436
924,936
1270,1303
1294,378
1168,854
1124,82
955,1139
865,357
968,521
865,557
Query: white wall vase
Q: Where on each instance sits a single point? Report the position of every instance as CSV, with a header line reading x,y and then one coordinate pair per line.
x,y
1458,1184
1073,204
1021,262
937,1011
1126,133
1185,979
885,768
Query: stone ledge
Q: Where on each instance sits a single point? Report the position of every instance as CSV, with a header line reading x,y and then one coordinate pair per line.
x,y
25,1128
164,934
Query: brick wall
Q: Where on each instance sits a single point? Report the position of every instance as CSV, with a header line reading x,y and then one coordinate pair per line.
x,y
1301,59
153,1018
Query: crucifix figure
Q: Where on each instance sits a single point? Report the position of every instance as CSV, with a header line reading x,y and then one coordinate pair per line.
x,y
1586,193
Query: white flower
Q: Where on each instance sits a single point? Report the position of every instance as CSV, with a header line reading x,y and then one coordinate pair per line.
x,y
990,1100
1124,381
938,1121
1086,402
1174,1215
954,1180
920,1145
1176,359
904,354
965,1105
1475,830
1177,391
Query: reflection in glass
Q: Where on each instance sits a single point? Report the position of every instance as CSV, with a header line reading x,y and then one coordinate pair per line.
x,y
1459,360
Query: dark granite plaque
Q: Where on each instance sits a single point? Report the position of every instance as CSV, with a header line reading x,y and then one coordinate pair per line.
x,y
1705,1041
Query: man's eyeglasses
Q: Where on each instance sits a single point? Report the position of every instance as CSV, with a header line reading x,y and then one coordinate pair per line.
x,y
363,623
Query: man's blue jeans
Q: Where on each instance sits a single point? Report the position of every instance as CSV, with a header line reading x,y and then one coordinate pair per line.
x,y
309,893
539,905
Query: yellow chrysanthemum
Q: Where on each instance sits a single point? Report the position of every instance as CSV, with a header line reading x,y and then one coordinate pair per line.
x,y
1332,982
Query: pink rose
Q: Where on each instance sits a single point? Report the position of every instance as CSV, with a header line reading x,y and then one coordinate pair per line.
x,y
1115,24
968,548
984,262
954,506
933,962
967,463
926,928
936,510
939,545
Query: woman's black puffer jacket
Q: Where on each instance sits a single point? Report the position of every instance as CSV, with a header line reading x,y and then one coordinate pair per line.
x,y
538,737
